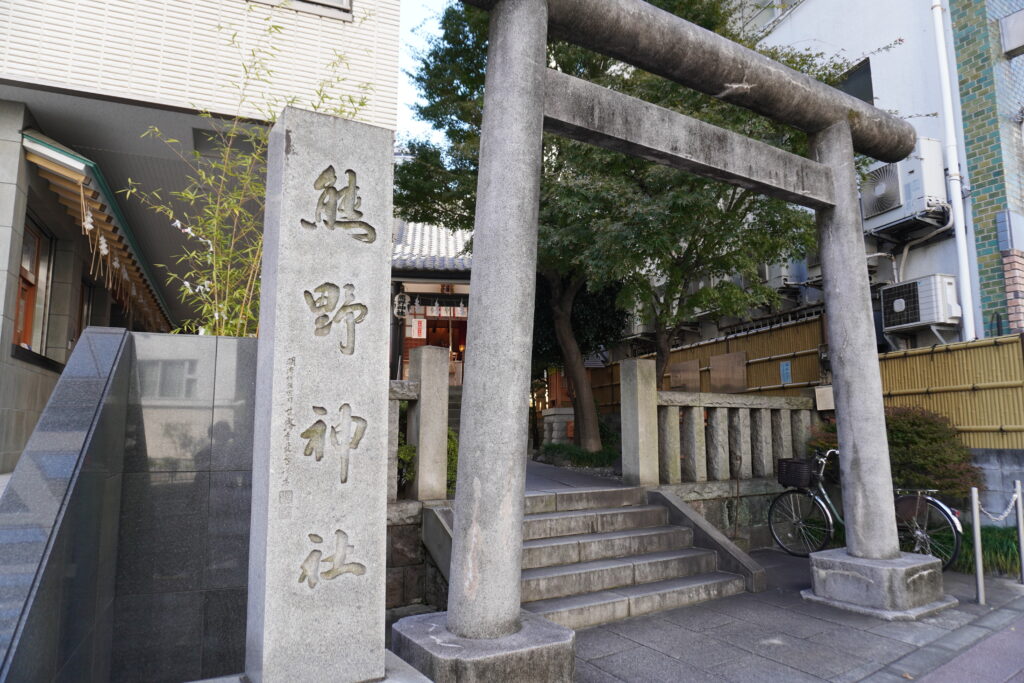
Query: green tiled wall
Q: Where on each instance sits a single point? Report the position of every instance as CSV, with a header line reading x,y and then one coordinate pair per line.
x,y
991,95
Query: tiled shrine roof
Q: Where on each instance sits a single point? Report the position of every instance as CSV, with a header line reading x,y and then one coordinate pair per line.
x,y
419,246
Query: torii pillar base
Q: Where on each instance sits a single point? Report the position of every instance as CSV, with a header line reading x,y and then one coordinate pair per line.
x,y
539,651
906,588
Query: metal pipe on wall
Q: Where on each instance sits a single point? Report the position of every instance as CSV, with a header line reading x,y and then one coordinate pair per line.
x,y
956,193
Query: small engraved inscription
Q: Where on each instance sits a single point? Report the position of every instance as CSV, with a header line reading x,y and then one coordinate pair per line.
x,y
309,570
343,438
289,414
339,209
323,301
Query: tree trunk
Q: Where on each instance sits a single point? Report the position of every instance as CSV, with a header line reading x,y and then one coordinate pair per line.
x,y
663,340
585,410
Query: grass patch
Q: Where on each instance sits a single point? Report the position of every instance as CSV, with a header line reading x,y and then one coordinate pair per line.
x,y
998,548
578,457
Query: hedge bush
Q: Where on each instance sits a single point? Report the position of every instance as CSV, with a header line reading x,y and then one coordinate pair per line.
x,y
924,452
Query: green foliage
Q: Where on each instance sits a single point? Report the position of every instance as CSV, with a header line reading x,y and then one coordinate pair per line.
x,y
596,321
579,457
453,461
406,461
668,243
999,552
220,209
923,450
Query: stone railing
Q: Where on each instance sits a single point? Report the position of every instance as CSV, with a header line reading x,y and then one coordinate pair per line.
x,y
670,437
426,390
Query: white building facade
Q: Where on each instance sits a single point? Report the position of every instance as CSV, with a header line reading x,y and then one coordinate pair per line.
x,y
81,81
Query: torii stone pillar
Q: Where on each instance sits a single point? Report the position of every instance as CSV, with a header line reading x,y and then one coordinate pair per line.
x,y
484,636
870,575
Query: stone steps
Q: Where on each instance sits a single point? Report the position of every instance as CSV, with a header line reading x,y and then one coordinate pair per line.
x,y
559,581
575,522
584,499
591,556
600,607
546,552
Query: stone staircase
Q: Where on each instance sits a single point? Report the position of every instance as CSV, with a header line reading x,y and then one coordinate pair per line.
x,y
591,556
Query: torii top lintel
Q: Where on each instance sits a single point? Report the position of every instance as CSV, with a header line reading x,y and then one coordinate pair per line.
x,y
657,41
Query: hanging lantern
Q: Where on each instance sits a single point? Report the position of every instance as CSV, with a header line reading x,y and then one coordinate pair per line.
x,y
401,308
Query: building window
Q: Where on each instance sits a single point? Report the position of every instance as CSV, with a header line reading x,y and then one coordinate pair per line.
x,y
331,9
30,309
174,379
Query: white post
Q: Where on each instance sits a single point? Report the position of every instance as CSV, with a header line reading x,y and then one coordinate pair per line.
x,y
979,569
1020,526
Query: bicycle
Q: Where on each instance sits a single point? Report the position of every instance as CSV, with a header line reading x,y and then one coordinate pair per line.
x,y
802,519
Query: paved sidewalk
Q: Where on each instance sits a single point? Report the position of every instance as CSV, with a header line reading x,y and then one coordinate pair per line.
x,y
777,636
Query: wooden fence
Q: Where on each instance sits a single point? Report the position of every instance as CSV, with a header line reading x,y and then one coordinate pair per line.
x,y
978,385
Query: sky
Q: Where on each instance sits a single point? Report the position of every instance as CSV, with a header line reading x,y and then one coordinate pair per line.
x,y
419,21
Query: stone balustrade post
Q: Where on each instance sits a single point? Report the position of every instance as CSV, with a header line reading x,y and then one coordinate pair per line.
x,y
718,444
428,422
668,444
761,442
782,435
739,443
639,405
694,445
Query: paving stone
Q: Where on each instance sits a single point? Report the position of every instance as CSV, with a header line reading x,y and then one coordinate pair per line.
x,y
817,659
950,619
837,616
997,658
858,674
921,661
754,669
909,632
997,619
588,673
696,618
885,677
962,638
875,648
643,665
694,648
600,642
771,616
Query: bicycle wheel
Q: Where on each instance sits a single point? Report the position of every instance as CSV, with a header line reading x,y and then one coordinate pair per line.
x,y
926,527
799,523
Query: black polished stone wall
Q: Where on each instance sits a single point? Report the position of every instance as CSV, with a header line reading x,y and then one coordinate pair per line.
x,y
182,565
58,522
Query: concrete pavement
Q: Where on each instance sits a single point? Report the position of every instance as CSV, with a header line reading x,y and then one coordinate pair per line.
x,y
777,636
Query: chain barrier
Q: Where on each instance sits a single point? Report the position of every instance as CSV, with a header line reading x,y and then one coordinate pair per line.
x,y
1004,514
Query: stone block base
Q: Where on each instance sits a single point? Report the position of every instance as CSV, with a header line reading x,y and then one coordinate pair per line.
x,y
540,652
905,588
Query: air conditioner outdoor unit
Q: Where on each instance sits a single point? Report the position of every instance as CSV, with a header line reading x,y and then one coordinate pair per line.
x,y
776,275
895,193
920,303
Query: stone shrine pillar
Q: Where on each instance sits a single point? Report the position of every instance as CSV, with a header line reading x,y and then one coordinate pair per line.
x,y
484,635
319,480
870,575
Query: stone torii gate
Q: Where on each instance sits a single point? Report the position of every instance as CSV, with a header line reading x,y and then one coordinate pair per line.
x,y
523,99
